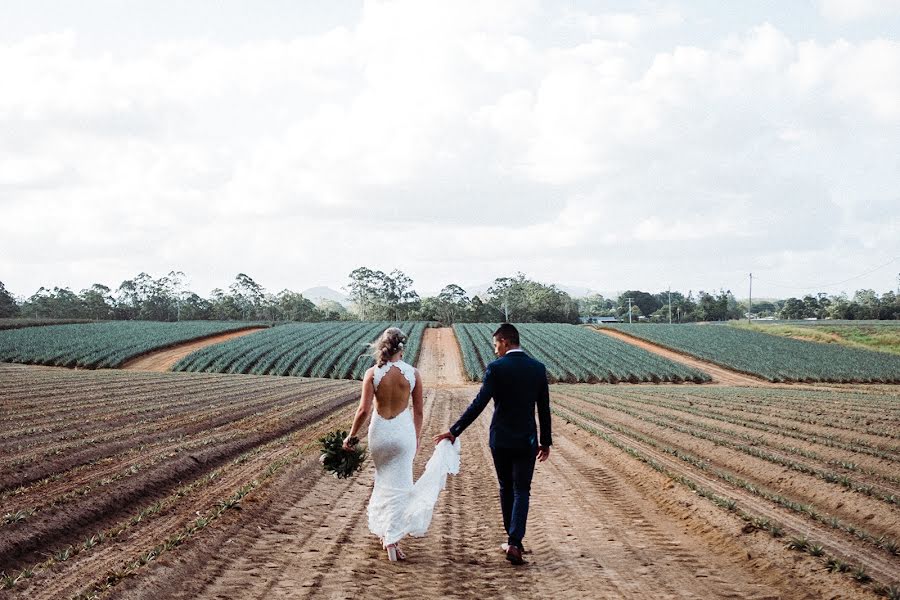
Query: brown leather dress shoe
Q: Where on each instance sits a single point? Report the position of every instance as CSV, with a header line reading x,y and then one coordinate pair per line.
x,y
514,555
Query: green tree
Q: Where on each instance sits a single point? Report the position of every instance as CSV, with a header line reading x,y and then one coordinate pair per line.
x,y
195,308
8,305
292,306
451,303
97,301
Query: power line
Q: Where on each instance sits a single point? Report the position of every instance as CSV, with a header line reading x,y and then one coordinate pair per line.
x,y
825,285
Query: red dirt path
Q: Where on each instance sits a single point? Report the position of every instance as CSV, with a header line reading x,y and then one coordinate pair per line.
x,y
164,359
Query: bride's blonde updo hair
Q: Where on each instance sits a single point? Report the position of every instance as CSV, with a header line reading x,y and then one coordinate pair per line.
x,y
390,343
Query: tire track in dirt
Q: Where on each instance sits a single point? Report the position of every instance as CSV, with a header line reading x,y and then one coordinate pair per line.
x,y
719,374
163,360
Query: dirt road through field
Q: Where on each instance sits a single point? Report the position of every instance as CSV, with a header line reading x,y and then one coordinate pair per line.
x,y
163,360
719,374
440,363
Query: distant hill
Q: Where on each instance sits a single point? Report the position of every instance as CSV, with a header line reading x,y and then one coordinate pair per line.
x,y
317,294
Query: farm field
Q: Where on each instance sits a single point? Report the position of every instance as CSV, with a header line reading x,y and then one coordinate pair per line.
x,y
222,496
104,470
333,349
18,323
102,344
867,335
772,357
127,485
573,354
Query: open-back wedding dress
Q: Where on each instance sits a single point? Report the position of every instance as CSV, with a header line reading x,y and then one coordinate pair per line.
x,y
398,506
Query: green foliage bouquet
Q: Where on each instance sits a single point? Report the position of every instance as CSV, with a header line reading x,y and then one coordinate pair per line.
x,y
339,462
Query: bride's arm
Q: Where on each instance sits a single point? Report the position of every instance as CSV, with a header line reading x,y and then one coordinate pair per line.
x,y
365,406
418,405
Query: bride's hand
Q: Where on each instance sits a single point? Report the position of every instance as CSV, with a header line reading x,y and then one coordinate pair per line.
x,y
347,445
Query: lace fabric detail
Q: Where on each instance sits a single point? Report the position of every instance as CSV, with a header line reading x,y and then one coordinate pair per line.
x,y
407,369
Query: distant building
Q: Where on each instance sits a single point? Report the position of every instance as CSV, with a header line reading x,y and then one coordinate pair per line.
x,y
598,320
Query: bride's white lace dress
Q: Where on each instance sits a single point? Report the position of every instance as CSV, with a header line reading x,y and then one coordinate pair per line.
x,y
398,506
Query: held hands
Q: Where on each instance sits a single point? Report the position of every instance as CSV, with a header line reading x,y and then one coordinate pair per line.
x,y
444,436
543,453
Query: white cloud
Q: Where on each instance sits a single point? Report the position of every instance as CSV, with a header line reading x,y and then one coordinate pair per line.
x,y
854,10
449,131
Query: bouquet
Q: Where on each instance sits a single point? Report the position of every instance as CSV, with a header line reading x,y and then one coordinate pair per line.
x,y
339,462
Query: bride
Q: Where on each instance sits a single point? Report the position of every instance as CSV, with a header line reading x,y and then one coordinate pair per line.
x,y
398,507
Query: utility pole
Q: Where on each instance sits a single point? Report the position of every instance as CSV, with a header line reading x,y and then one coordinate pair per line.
x,y
750,300
670,306
629,309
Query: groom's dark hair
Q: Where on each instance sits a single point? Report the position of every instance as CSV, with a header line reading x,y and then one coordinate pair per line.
x,y
509,333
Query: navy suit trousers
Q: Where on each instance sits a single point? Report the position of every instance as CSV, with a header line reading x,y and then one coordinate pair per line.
x,y
515,468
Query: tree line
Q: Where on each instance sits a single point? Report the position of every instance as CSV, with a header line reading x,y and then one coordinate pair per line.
x,y
722,306
167,298
377,295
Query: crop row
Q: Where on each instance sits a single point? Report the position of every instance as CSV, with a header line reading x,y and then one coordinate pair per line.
x,y
725,404
772,357
96,478
100,345
653,454
745,444
808,510
337,350
574,354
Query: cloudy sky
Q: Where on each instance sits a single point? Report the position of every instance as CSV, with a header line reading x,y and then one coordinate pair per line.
x,y
599,144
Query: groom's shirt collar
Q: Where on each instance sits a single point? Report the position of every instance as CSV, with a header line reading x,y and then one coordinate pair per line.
x,y
515,350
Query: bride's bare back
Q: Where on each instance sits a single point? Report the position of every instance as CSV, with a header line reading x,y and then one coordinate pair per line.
x,y
392,395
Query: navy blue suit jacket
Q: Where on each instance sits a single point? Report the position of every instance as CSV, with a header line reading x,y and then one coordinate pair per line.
x,y
518,385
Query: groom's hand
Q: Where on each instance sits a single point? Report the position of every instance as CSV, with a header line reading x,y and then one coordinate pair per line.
x,y
543,453
444,436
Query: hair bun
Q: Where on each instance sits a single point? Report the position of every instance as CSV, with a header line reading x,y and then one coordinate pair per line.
x,y
389,343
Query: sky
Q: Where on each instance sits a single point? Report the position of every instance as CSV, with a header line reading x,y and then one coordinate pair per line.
x,y
606,145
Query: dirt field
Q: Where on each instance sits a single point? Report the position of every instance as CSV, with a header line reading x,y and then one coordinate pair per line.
x,y
604,523
163,360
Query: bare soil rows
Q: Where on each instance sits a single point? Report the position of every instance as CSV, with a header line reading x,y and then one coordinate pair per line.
x,y
89,570
77,483
71,500
601,525
440,363
878,564
719,374
163,360
239,401
860,467
864,512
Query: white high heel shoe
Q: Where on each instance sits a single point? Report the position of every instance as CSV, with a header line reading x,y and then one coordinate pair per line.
x,y
392,554
395,553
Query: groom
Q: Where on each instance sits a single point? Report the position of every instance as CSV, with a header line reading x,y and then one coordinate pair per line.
x,y
518,384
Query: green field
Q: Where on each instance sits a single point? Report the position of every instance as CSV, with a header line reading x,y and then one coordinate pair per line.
x,y
101,345
772,357
17,323
573,354
333,349
883,336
